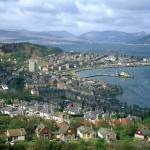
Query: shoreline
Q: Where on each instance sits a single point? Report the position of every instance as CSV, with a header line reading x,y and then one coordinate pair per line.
x,y
112,66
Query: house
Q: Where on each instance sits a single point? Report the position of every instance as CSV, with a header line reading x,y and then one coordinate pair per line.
x,y
16,135
34,91
2,104
16,113
44,68
43,132
72,109
106,116
4,87
54,82
132,118
60,117
16,103
7,110
24,105
107,134
66,133
91,116
120,121
35,108
45,112
85,132
61,84
142,134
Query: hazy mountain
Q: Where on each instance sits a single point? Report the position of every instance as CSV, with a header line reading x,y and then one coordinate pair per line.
x,y
57,33
45,37
112,36
64,37
144,40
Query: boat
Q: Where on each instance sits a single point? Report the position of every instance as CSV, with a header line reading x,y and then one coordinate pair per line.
x,y
124,74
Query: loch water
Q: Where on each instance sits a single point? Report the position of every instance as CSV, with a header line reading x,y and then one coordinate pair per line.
x,y
135,90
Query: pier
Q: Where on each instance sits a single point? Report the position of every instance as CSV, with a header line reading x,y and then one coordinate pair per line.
x,y
109,75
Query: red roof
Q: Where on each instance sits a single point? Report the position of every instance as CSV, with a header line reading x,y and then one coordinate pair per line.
x,y
139,132
43,131
121,120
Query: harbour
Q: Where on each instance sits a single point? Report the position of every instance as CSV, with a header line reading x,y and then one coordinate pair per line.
x,y
135,90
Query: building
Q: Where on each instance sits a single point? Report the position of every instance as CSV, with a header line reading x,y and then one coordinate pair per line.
x,y
120,121
4,87
43,132
2,104
34,91
85,132
16,103
32,65
16,135
91,116
143,134
73,109
61,84
45,112
60,117
7,110
66,133
107,134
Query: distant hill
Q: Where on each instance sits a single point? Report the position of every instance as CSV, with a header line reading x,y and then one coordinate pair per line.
x,y
30,34
143,40
43,37
112,36
64,37
60,34
26,50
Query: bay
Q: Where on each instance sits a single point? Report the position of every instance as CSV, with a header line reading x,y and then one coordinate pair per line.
x,y
135,90
108,48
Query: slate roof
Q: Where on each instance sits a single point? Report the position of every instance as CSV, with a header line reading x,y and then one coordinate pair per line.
x,y
63,129
107,132
90,115
143,131
85,129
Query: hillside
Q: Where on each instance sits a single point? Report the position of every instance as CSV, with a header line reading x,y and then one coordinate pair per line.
x,y
26,50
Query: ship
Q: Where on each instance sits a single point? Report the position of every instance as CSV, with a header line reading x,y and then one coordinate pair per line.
x,y
124,75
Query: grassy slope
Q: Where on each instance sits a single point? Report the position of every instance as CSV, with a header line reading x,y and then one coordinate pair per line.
x,y
26,50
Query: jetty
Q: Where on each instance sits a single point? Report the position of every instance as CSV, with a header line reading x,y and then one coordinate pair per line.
x,y
109,75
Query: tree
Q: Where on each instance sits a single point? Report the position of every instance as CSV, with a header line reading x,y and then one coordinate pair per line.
x,y
42,144
99,144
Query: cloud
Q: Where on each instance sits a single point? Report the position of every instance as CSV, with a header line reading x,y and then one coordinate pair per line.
x,y
75,15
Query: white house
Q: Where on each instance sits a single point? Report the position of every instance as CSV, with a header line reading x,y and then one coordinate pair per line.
x,y
45,112
4,87
142,134
91,116
107,134
85,132
60,117
16,135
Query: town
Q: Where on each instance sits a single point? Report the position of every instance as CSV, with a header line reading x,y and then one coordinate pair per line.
x,y
64,106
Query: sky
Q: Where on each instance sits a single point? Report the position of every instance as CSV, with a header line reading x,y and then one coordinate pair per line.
x,y
76,16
